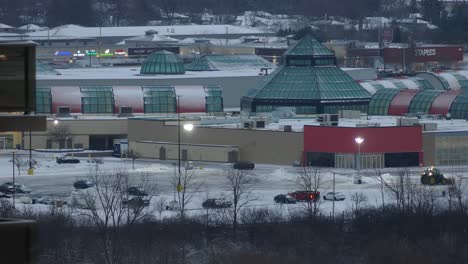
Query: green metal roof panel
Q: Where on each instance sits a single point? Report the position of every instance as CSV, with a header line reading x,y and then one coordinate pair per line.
x,y
425,84
381,100
333,83
201,64
228,62
422,102
310,83
162,62
459,108
309,46
291,83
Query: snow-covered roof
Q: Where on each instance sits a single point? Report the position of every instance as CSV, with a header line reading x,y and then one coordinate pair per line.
x,y
297,124
5,26
154,38
32,27
75,31
122,73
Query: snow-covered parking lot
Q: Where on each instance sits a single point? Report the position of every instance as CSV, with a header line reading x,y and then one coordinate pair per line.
x,y
56,180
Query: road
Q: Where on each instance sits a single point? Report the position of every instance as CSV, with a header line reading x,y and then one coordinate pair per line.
x,y
53,179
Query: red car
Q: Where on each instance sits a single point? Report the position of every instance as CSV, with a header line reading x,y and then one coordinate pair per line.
x,y
305,196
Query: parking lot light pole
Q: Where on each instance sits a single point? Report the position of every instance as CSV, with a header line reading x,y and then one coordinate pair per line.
x,y
14,189
178,140
359,141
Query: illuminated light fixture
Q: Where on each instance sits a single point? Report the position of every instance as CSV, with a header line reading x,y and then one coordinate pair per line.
x,y
188,127
106,53
91,52
120,52
63,53
79,54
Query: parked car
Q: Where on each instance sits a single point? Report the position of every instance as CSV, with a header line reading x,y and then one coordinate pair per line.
x,y
137,191
337,196
216,203
189,165
136,196
83,184
67,159
51,201
7,188
2,195
136,201
284,199
304,196
244,165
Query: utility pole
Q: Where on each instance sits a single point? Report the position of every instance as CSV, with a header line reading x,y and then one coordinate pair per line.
x,y
14,189
333,208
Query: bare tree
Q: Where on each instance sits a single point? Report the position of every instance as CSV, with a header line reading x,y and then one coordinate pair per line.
x,y
132,154
60,134
20,163
378,176
310,179
239,184
110,207
358,201
161,206
187,185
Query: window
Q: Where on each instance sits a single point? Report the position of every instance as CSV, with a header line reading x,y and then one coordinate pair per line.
x,y
43,100
214,99
97,99
159,99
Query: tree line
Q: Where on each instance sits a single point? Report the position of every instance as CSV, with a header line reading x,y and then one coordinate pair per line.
x,y
411,224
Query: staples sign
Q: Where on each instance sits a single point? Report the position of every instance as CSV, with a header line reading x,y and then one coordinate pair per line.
x,y
425,52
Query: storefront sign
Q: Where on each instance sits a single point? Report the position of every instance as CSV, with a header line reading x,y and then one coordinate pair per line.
x,y
425,52
91,52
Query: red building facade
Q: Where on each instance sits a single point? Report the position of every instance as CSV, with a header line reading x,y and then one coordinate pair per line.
x,y
382,146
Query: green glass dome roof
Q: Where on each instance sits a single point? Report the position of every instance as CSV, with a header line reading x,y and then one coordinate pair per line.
x,y
162,62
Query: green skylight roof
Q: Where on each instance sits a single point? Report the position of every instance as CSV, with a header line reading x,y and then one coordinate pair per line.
x,y
422,101
309,46
311,83
162,62
381,100
228,62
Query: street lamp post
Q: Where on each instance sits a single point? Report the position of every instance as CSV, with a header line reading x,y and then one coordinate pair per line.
x,y
187,127
359,141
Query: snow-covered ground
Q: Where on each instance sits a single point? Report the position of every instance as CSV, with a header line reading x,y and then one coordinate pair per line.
x,y
56,180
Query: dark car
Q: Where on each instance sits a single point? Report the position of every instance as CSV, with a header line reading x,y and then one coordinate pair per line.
x,y
137,191
83,184
244,165
136,197
284,199
216,203
136,201
67,160
305,196
2,195
7,188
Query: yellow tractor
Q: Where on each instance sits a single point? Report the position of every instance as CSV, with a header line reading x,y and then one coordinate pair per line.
x,y
433,176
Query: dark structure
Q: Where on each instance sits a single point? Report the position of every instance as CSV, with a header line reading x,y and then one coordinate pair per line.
x,y
309,81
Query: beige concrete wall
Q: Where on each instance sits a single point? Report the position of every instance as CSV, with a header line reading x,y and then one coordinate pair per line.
x,y
260,146
195,152
429,148
80,131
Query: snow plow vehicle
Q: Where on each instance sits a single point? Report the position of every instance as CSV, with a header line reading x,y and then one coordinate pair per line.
x,y
432,176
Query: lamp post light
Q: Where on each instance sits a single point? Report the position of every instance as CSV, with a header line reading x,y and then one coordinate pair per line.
x,y
359,141
187,127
